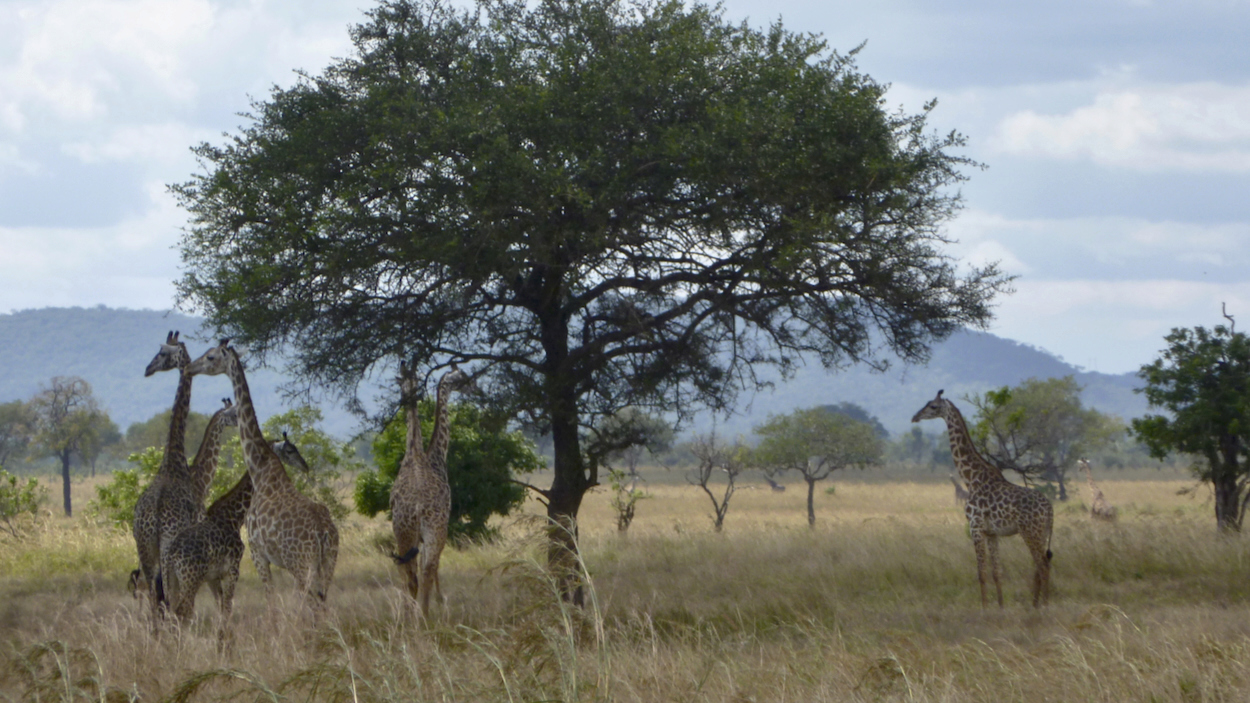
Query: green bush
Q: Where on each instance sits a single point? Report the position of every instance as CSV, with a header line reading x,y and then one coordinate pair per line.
x,y
18,499
115,500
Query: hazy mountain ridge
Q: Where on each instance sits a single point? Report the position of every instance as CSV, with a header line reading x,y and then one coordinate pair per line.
x,y
110,348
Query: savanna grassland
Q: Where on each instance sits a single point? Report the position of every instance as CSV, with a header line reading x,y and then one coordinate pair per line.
x,y
878,603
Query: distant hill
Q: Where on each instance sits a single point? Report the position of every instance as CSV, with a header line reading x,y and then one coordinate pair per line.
x,y
967,363
110,347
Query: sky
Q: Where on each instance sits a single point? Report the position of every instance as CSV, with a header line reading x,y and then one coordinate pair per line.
x,y
1115,136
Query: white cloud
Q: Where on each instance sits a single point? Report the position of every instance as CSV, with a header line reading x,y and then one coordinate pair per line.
x,y
1112,326
165,142
1197,127
130,264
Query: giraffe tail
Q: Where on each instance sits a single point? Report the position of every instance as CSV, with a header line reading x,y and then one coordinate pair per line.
x,y
407,556
160,590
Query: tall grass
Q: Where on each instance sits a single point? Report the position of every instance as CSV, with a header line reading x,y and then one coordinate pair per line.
x,y
878,603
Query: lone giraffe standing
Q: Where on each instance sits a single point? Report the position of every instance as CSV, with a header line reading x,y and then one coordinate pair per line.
x,y
1099,509
421,495
284,527
169,503
210,550
996,507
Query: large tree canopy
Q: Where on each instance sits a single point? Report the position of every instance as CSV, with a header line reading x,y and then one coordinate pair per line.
x,y
597,204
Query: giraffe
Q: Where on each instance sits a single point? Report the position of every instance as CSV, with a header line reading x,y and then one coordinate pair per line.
x,y
169,503
961,493
996,507
1100,509
421,496
284,527
210,550
205,463
201,474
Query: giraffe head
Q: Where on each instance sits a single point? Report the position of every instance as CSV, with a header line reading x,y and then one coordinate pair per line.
x,y
229,414
289,454
172,355
457,380
212,362
935,408
1084,466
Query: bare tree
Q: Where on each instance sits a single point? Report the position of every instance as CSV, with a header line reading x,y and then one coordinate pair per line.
x,y
68,419
713,457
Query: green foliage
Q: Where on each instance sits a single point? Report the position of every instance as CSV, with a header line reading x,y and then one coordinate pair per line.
x,y
18,499
154,432
1202,380
68,422
482,458
17,425
327,459
115,500
1040,428
610,204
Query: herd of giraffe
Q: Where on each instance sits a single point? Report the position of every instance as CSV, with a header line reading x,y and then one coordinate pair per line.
x,y
181,546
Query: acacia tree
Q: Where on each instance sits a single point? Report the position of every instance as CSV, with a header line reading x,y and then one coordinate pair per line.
x,y
1202,381
713,456
596,203
816,442
68,419
1039,428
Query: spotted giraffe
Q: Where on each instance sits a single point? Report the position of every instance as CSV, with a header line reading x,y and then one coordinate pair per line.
x,y
996,507
421,495
1099,509
285,528
201,474
210,550
169,503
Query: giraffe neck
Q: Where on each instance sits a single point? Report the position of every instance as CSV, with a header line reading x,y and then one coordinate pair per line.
x,y
415,444
205,463
265,466
230,509
973,468
441,434
176,445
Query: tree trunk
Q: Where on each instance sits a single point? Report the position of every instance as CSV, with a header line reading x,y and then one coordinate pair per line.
x,y
811,505
1063,488
564,499
1227,493
69,509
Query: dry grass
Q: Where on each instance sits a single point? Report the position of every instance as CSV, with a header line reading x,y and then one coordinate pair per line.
x,y
879,602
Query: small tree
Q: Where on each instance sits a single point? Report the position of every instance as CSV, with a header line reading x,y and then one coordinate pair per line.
x,y
815,443
483,459
713,456
17,499
17,425
67,420
639,433
1202,381
1039,428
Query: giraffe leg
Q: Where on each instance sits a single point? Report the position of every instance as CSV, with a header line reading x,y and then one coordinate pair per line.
x,y
996,568
978,544
224,591
1041,573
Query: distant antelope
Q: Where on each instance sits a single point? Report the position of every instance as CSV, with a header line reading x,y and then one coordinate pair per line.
x,y
777,487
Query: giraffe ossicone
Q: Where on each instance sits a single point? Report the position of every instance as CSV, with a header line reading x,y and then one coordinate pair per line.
x,y
996,507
